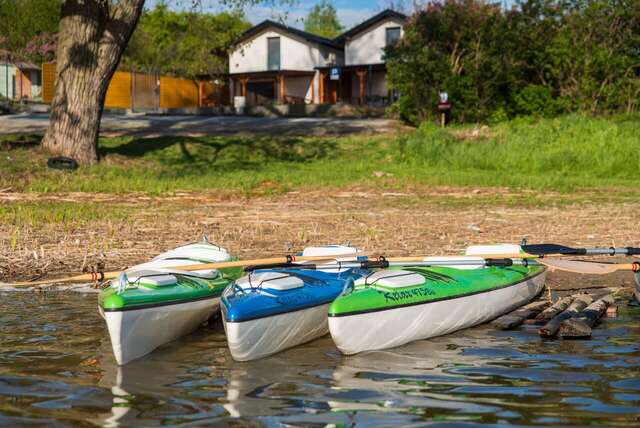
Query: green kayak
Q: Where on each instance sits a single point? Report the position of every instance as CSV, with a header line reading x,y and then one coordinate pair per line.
x,y
399,305
153,304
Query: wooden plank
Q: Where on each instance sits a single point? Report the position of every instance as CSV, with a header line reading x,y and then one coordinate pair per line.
x,y
515,318
580,325
551,328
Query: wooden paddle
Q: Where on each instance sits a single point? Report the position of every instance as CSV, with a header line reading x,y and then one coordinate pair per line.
x,y
101,276
591,268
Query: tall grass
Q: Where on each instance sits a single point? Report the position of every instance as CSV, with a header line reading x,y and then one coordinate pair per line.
x,y
562,154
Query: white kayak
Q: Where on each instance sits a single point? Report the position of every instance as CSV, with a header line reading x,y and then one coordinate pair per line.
x,y
157,305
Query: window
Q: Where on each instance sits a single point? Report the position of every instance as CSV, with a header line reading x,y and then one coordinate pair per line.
x,y
393,35
273,53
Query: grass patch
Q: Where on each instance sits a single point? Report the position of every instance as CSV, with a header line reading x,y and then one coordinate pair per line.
x,y
63,214
565,154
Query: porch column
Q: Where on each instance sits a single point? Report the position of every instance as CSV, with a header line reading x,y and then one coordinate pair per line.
x,y
361,79
281,99
243,86
321,87
313,89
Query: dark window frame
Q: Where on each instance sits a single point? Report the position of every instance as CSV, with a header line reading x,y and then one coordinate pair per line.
x,y
387,38
270,64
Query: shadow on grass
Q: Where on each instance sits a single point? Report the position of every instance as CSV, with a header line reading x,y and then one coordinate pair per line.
x,y
8,142
230,152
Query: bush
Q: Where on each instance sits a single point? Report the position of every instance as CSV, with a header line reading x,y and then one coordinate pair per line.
x,y
541,58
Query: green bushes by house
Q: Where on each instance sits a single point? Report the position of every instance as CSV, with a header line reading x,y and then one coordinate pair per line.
x,y
541,57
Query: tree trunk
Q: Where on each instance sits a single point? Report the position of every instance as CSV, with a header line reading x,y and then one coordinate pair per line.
x,y
93,35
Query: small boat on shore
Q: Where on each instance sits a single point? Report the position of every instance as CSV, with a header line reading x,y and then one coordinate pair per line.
x,y
395,306
152,304
271,310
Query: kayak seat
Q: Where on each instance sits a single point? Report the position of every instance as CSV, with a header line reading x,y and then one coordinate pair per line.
x,y
392,279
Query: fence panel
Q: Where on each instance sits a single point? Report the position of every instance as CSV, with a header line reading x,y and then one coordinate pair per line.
x,y
214,94
119,91
178,93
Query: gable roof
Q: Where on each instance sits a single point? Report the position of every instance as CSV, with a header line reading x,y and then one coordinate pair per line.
x,y
303,34
365,25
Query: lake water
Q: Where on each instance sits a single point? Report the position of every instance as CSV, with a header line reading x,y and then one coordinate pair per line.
x,y
56,369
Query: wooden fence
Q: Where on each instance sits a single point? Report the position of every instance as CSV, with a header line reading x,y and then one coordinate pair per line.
x,y
175,93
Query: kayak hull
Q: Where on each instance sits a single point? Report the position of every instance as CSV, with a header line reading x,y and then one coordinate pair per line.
x,y
135,333
392,327
259,338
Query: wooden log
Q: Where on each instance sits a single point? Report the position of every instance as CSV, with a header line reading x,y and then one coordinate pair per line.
x,y
551,328
554,310
580,325
515,318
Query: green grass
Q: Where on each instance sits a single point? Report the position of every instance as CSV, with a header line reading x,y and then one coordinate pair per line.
x,y
67,214
565,154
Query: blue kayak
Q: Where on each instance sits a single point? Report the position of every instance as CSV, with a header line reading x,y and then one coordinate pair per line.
x,y
275,309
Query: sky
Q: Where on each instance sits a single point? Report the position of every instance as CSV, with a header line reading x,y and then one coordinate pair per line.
x,y
350,12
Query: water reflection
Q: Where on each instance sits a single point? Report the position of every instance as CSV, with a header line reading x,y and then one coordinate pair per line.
x,y
56,366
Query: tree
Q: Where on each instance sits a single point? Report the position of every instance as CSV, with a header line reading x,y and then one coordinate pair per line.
x,y
323,20
92,37
185,44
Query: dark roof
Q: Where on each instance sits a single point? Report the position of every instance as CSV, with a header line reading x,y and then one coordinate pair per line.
x,y
385,14
307,36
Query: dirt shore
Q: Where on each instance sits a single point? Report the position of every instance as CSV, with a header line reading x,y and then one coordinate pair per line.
x,y
390,223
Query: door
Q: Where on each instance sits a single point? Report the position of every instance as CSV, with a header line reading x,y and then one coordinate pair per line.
x,y
145,91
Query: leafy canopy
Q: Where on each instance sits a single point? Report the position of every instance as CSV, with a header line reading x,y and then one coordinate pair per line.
x,y
186,44
28,28
323,20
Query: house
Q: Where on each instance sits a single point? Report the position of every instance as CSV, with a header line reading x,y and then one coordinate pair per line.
x,y
18,79
276,64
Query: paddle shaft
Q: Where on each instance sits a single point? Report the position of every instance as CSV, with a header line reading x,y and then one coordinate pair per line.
x,y
382,264
101,276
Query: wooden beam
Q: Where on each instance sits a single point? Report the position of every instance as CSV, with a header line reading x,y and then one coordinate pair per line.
x,y
281,90
321,87
361,75
243,86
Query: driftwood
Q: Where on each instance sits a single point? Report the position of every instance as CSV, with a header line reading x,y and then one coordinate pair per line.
x,y
551,328
554,310
517,317
580,325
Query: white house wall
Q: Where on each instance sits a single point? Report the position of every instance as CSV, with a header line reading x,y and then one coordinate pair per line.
x,y
368,46
295,54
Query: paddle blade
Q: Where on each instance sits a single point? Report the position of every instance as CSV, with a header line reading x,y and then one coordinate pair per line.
x,y
576,266
546,249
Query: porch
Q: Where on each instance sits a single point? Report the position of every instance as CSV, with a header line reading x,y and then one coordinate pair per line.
x,y
274,87
354,84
